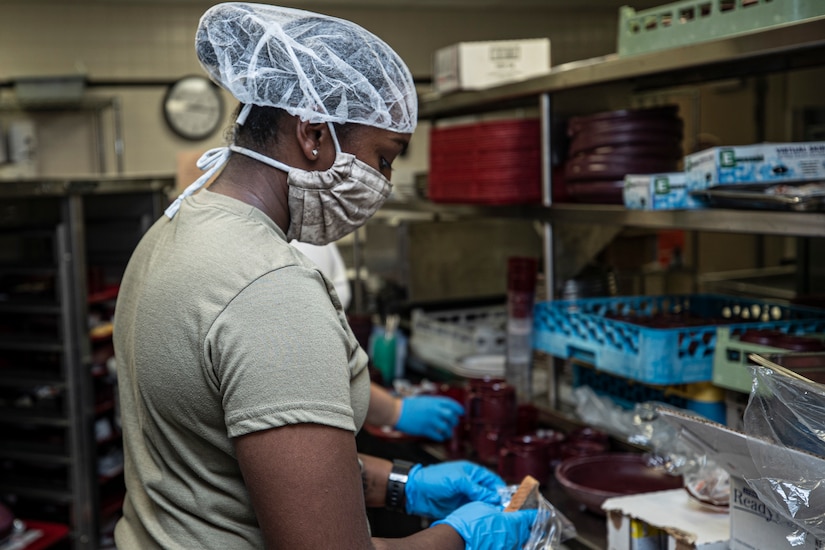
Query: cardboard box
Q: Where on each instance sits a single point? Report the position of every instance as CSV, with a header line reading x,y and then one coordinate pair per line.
x,y
478,65
664,520
668,191
765,162
754,525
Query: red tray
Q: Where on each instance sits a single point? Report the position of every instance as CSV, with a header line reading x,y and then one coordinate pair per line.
x,y
493,162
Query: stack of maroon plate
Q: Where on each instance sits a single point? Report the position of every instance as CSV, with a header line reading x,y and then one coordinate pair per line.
x,y
604,147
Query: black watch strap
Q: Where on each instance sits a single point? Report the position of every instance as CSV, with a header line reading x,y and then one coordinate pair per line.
x,y
396,486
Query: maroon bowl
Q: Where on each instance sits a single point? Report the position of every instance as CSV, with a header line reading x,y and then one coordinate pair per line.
x,y
590,480
782,340
6,522
810,365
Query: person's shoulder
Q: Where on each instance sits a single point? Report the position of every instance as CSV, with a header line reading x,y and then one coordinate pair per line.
x,y
321,256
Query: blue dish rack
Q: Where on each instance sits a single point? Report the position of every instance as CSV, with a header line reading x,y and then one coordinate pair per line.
x,y
588,329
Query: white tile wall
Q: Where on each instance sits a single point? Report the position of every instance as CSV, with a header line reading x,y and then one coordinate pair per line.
x,y
154,41
104,41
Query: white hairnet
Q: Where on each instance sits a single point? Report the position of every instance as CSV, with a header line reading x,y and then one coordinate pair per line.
x,y
316,67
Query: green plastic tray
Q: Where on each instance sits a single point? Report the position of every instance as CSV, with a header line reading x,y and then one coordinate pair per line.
x,y
730,360
693,21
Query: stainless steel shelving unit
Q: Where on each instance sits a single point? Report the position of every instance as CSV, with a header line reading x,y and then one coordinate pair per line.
x,y
780,48
51,231
776,49
808,224
97,107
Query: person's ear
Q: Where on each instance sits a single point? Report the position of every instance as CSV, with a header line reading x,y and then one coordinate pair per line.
x,y
311,137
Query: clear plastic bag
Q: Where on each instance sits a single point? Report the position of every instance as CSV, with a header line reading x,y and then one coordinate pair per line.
x,y
601,412
641,425
790,413
703,479
550,528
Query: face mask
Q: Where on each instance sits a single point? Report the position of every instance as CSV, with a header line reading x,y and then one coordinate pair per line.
x,y
327,205
323,205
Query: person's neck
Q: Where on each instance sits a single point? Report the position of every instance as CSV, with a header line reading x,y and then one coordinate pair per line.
x,y
256,184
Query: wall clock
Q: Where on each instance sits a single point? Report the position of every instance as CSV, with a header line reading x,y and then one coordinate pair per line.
x,y
193,107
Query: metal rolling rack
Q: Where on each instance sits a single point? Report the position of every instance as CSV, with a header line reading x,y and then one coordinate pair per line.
x,y
776,49
51,230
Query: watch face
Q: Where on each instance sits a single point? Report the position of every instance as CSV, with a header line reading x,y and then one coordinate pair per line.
x,y
193,107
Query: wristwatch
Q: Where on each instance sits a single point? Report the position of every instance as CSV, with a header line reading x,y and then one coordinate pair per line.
x,y
396,486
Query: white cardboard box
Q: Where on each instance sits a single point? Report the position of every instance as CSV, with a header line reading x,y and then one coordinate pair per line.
x,y
667,191
764,162
478,65
754,525
664,520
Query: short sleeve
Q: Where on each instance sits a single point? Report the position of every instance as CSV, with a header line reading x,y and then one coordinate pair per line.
x,y
281,355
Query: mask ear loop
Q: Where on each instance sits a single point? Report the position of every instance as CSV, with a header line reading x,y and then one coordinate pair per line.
x,y
334,138
261,158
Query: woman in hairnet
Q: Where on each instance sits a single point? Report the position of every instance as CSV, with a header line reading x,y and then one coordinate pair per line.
x,y
241,383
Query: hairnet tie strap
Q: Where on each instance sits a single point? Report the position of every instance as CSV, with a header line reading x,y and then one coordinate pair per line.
x,y
211,161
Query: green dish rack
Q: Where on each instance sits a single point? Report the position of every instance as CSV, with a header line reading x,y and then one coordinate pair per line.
x,y
694,21
730,360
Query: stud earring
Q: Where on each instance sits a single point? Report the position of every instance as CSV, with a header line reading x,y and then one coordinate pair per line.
x,y
315,152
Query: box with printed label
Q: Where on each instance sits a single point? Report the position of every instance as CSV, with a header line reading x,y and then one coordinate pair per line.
x,y
754,525
478,65
668,191
764,162
664,520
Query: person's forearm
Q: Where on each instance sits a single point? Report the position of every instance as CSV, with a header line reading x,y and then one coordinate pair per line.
x,y
442,537
384,407
376,474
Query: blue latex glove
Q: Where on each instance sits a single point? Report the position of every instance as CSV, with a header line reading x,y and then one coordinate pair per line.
x,y
432,416
486,527
435,491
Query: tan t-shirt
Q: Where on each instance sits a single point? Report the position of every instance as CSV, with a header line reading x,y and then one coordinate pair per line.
x,y
221,329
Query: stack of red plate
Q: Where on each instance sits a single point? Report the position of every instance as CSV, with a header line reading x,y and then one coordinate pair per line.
x,y
493,162
605,147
